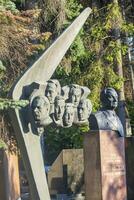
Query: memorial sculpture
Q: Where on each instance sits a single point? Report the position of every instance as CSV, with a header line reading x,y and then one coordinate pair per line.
x,y
29,122
68,116
84,111
40,109
106,118
60,110
52,90
59,107
75,92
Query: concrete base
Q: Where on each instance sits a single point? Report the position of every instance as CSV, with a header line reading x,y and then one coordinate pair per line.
x,y
104,163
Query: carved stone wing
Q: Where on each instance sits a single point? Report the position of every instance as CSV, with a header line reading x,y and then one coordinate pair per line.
x,y
45,66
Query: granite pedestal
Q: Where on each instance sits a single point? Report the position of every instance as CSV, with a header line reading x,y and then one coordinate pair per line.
x,y
129,150
104,166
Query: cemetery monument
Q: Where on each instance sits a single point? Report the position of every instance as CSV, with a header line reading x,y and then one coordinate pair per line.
x,y
43,109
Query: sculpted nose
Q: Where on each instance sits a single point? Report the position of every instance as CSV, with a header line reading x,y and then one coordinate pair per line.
x,y
35,110
59,111
48,94
80,111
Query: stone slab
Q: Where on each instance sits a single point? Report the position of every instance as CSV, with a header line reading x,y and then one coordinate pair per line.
x,y
66,173
105,171
129,150
9,176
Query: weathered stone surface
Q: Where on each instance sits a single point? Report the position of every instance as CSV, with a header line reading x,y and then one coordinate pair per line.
x,y
105,173
27,136
129,143
48,105
9,176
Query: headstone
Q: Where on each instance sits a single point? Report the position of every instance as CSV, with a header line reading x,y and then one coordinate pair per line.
x,y
104,168
66,173
129,150
9,176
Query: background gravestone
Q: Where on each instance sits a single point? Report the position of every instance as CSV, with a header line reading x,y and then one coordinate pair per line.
x,y
9,176
66,173
129,150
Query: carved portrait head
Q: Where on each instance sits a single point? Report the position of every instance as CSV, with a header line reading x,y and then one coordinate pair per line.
x,y
109,98
59,106
52,90
40,109
75,94
68,116
84,110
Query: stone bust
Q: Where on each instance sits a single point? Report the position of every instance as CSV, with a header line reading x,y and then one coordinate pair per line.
x,y
59,106
106,118
40,110
68,116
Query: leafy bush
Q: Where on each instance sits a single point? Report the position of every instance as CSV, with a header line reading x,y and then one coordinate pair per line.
x,y
8,5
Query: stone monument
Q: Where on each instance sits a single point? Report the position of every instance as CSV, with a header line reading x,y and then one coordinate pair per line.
x,y
104,152
48,105
29,122
106,118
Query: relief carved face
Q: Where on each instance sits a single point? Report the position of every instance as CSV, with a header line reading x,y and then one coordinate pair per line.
x,y
59,106
68,116
84,110
52,90
75,95
40,109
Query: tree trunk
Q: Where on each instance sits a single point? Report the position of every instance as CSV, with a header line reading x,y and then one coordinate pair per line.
x,y
119,68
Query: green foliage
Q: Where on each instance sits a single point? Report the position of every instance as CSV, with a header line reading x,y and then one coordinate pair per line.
x,y
61,138
3,144
128,28
8,103
2,69
77,50
90,60
73,8
8,5
113,17
112,79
